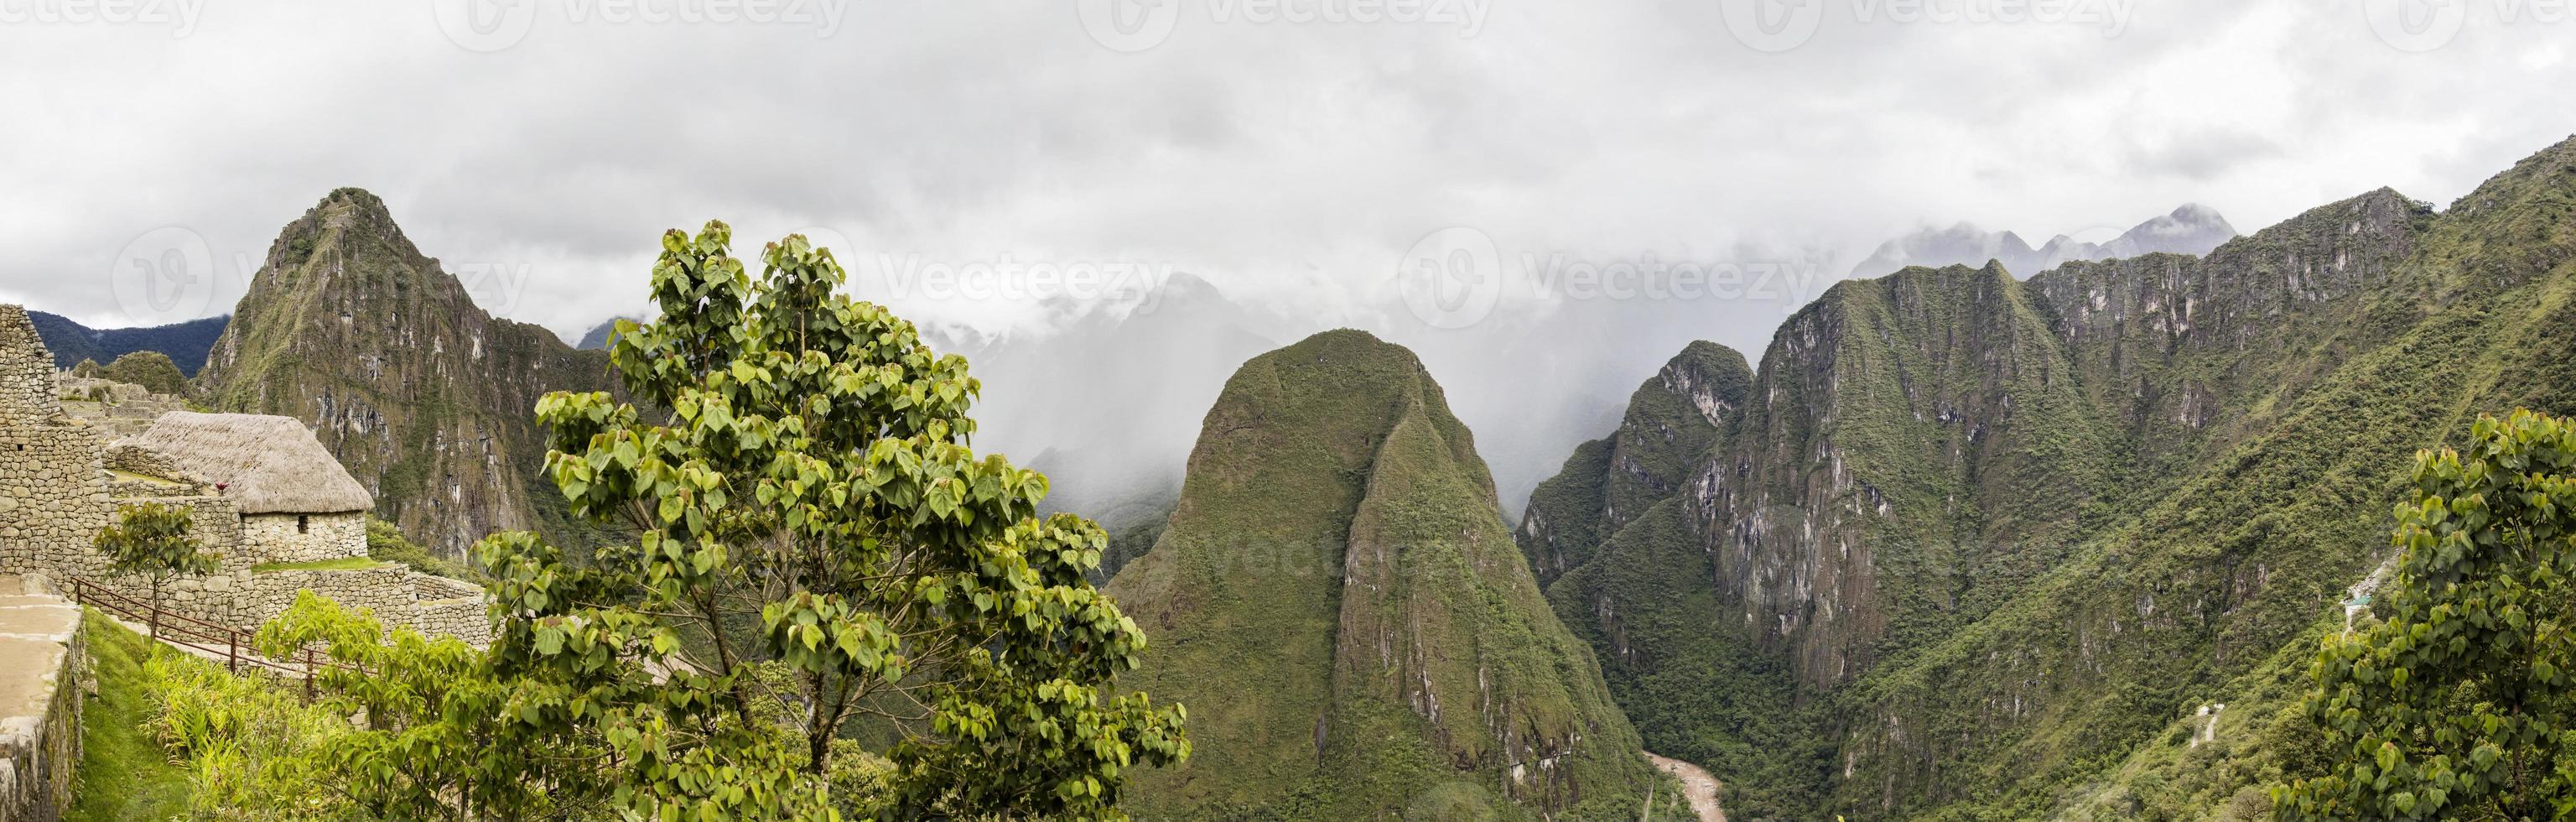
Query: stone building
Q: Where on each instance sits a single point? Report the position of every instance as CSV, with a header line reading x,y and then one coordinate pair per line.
x,y
295,502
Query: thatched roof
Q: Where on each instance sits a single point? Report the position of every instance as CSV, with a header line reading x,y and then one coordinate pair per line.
x,y
268,465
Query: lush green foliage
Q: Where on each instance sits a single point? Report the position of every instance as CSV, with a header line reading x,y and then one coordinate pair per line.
x,y
125,774
86,368
385,541
151,369
151,540
811,481
2459,706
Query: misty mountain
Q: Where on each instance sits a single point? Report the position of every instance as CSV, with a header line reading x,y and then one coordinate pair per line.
x,y
184,343
1107,401
2192,229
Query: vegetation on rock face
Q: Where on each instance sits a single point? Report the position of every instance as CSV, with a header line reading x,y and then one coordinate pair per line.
x,y
151,540
2459,706
151,369
1624,570
422,395
1339,602
385,542
2059,547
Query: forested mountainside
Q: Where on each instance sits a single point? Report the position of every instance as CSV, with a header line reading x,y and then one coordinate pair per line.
x,y
426,398
1340,605
184,343
2000,543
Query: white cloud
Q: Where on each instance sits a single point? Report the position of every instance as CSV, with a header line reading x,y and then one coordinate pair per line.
x,y
1290,163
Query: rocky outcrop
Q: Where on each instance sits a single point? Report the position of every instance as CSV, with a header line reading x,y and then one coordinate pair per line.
x,y
427,399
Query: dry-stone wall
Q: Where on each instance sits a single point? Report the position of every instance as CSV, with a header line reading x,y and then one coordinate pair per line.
x,y
304,537
42,662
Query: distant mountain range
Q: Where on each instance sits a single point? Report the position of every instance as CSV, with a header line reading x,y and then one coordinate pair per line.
x,y
186,343
2193,229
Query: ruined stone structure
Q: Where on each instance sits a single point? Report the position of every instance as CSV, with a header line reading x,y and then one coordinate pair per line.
x,y
260,491
42,661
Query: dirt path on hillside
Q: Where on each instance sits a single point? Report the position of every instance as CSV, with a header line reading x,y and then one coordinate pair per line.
x,y
1697,783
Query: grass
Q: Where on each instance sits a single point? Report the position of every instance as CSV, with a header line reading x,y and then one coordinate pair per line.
x,y
341,564
124,773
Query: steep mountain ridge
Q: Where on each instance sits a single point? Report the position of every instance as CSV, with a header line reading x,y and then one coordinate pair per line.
x,y
427,399
2007,534
1338,600
1917,447
1670,421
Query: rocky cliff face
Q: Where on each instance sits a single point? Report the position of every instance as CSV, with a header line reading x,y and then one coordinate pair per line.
x,y
426,398
1670,423
2000,532
1338,601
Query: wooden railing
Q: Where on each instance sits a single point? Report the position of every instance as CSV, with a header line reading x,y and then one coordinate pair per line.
x,y
237,646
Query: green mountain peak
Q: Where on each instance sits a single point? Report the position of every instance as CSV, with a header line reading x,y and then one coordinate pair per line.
x,y
1340,604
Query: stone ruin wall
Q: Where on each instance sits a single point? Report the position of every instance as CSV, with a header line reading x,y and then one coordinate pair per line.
x,y
40,701
55,495
304,537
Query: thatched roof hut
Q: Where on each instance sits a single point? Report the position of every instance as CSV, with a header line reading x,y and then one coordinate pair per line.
x,y
267,465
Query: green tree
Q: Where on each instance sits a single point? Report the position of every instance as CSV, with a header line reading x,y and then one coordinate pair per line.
x,y
151,540
2458,706
151,369
87,368
810,525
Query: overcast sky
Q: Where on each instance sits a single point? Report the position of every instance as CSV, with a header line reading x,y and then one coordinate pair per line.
x,y
1289,154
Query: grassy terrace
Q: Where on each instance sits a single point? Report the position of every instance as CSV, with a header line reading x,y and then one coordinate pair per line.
x,y
341,564
124,773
